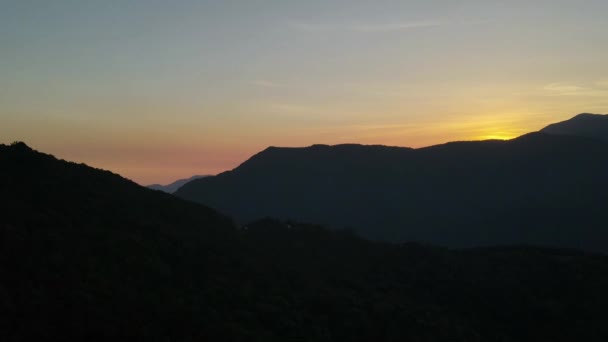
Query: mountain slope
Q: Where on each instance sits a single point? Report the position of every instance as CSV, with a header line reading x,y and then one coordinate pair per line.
x,y
49,191
171,188
537,189
87,255
583,125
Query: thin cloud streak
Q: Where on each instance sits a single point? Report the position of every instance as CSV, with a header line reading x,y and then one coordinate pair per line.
x,y
395,26
564,89
367,28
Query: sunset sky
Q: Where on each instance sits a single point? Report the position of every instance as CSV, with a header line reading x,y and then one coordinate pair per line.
x,y
160,90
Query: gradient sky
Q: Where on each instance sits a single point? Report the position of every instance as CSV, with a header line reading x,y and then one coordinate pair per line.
x,y
159,90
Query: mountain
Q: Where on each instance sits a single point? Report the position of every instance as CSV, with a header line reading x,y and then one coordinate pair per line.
x,y
88,255
537,189
171,188
583,125
39,189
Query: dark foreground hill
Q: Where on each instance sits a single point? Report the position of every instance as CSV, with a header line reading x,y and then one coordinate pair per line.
x,y
582,125
537,189
171,188
87,255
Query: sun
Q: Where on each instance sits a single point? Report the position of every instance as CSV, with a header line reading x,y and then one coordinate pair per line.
x,y
497,136
503,133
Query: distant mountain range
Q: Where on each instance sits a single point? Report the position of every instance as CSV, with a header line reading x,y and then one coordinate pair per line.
x,y
171,188
88,255
545,188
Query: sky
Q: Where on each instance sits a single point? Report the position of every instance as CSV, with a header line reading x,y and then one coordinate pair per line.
x,y
161,90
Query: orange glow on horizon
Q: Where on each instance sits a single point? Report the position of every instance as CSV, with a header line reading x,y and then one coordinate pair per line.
x,y
153,155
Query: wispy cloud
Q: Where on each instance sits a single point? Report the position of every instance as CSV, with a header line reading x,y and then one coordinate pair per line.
x,y
395,26
597,89
563,89
365,28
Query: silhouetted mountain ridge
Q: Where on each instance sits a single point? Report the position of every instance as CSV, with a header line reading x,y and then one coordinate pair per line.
x,y
584,125
88,255
455,194
49,191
